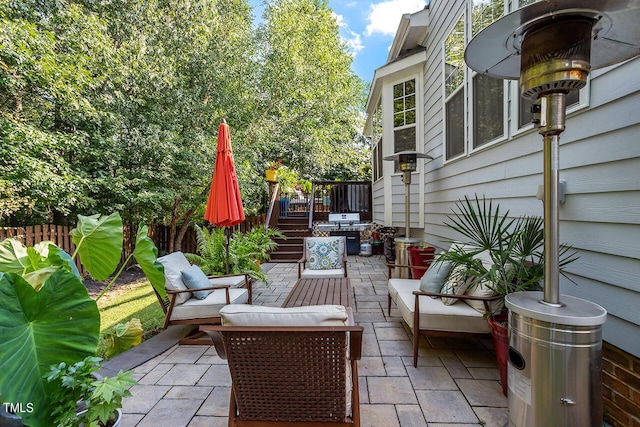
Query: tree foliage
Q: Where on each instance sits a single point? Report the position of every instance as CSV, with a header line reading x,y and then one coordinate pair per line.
x,y
113,105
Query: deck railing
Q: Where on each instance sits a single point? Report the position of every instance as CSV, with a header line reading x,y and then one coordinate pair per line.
x,y
328,197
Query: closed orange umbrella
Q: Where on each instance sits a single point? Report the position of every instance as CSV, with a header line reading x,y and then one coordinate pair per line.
x,y
224,205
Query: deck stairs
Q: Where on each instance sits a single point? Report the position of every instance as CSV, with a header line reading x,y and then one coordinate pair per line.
x,y
295,230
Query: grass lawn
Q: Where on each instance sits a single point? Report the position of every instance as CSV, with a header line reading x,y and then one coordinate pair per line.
x,y
121,304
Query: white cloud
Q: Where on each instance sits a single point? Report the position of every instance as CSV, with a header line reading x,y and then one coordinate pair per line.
x,y
384,17
351,38
354,42
339,19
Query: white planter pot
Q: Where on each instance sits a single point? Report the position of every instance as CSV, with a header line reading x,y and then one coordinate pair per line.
x,y
118,419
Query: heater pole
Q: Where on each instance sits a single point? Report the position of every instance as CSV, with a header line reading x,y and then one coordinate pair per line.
x,y
551,221
407,217
552,123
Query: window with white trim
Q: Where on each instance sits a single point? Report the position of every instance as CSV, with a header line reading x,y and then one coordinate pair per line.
x,y
484,106
376,141
404,116
454,90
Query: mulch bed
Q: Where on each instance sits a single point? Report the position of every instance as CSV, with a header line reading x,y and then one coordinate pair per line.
x,y
129,278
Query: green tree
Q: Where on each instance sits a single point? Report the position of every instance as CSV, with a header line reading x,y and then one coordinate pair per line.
x,y
309,98
115,105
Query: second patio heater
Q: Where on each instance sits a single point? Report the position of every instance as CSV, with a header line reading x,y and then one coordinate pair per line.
x,y
407,163
555,344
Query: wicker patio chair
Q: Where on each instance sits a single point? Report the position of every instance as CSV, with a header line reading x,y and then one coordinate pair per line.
x,y
291,375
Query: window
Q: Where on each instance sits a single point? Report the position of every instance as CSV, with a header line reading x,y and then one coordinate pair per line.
x,y
484,106
488,93
376,141
484,13
404,117
454,90
488,109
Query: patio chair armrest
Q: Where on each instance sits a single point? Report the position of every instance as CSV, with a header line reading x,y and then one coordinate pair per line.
x,y
216,337
212,276
391,266
462,296
302,264
485,300
248,282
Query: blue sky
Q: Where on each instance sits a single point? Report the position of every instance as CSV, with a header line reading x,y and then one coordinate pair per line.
x,y
368,28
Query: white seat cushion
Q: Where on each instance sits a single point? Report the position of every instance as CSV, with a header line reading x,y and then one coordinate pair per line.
x,y
308,273
402,285
174,264
195,308
434,315
257,315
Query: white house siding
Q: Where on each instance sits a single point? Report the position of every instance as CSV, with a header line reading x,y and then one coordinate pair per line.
x,y
599,159
377,194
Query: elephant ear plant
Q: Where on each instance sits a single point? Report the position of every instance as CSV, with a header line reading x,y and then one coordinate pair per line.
x,y
46,314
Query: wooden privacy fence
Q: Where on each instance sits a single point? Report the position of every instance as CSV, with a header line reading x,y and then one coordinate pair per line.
x,y
59,234
34,234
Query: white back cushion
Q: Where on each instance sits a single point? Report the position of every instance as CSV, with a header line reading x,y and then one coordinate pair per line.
x,y
174,263
257,315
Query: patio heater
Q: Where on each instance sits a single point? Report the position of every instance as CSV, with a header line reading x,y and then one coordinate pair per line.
x,y
407,163
555,347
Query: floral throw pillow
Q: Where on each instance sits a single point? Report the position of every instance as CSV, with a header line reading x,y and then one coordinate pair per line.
x,y
323,254
457,284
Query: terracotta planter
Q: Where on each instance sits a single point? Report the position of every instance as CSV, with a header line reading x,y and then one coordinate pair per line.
x,y
420,256
271,175
500,337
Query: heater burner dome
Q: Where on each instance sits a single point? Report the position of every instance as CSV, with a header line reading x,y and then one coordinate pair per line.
x,y
555,57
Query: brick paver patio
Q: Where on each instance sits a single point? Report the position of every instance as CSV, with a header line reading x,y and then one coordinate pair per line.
x,y
456,382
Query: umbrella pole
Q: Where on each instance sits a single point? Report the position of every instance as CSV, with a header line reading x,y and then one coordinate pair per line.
x,y
227,233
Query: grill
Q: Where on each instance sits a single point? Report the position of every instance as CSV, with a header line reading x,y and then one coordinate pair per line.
x,y
344,222
348,225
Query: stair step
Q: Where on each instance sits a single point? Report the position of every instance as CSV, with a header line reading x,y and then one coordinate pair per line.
x,y
295,229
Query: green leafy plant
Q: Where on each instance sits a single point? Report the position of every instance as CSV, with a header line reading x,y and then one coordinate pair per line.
x,y
306,186
78,387
124,336
244,251
46,314
515,246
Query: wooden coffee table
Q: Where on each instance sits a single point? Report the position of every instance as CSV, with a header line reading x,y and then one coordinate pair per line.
x,y
336,291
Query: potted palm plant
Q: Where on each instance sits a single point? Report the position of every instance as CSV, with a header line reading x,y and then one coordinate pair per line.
x,y
515,249
47,316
